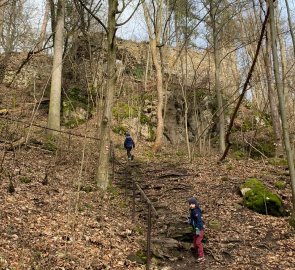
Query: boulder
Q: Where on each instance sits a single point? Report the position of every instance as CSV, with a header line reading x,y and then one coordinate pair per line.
x,y
260,199
167,248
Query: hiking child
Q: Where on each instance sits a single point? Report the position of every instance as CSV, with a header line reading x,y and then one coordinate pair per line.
x,y
195,219
128,145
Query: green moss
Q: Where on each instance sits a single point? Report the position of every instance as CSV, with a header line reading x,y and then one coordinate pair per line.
x,y
266,147
76,95
123,111
113,190
152,134
50,144
262,200
25,179
280,184
137,229
138,71
72,123
239,154
144,119
119,130
278,161
180,153
246,125
75,107
292,221
140,254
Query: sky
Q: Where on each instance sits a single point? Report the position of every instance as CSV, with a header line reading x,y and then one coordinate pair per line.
x,y
135,29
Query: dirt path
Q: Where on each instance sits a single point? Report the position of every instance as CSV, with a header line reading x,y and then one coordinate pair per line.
x,y
237,238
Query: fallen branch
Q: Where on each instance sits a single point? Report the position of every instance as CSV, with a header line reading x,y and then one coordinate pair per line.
x,y
255,148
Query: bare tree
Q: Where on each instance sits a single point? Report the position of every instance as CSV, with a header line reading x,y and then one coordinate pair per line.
x,y
154,22
102,175
16,32
272,97
282,104
56,80
42,34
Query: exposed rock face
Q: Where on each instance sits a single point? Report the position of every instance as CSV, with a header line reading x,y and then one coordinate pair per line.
x,y
85,70
35,72
174,120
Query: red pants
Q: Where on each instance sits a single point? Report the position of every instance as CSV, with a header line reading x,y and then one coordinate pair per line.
x,y
198,243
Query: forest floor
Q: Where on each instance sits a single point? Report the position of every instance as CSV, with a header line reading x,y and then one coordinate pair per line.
x,y
52,216
47,223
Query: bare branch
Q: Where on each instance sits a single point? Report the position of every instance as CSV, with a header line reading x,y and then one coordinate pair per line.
x,y
245,87
135,9
93,15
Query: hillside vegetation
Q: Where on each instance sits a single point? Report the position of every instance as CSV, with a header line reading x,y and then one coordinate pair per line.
x,y
54,217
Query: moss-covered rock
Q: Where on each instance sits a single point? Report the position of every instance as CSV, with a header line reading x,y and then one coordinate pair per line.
x,y
76,108
122,111
260,199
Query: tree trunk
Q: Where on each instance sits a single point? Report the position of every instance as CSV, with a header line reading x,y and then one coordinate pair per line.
x,y
272,98
102,175
43,27
290,26
2,8
160,105
55,89
53,18
154,30
279,85
217,87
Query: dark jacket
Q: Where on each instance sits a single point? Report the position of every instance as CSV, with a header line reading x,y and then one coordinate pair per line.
x,y
129,143
196,218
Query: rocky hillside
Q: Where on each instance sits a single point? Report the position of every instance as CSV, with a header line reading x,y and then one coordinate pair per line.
x,y
53,216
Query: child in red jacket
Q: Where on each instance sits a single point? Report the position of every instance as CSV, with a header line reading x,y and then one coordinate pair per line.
x,y
198,225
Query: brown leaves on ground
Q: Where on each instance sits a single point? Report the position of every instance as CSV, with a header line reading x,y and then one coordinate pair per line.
x,y
53,226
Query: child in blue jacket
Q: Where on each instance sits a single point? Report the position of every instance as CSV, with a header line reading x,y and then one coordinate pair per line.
x,y
128,145
197,223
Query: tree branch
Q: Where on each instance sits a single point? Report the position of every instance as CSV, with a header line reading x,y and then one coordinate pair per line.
x,y
227,139
135,9
94,16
